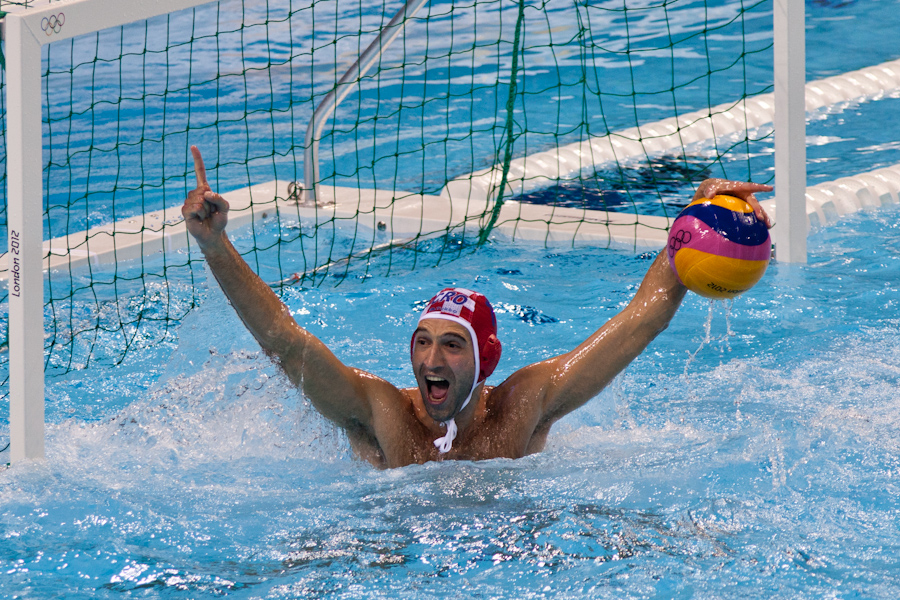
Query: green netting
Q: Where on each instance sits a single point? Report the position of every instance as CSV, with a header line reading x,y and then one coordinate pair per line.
x,y
468,86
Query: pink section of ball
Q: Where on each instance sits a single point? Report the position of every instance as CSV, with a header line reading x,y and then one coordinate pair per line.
x,y
705,239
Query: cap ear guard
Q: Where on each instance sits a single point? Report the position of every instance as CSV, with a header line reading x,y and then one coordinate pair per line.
x,y
490,356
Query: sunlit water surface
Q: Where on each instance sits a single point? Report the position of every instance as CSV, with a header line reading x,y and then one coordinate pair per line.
x,y
758,460
752,451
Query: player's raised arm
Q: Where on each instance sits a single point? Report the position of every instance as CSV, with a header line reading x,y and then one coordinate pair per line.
x,y
339,392
575,377
571,379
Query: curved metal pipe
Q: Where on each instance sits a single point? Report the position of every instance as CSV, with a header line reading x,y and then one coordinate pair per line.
x,y
343,87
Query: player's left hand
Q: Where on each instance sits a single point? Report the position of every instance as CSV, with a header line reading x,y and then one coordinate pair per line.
x,y
744,190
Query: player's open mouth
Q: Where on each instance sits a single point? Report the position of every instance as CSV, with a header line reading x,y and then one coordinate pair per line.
x,y
437,388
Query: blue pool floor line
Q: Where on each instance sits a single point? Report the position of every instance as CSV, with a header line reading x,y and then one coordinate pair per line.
x,y
465,202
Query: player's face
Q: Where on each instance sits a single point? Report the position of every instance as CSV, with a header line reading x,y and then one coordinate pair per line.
x,y
444,363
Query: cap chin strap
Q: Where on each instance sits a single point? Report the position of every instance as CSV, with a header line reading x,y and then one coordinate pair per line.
x,y
444,444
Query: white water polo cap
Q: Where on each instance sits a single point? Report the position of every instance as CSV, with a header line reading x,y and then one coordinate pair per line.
x,y
473,311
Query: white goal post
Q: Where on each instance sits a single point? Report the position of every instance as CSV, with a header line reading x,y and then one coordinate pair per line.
x,y
791,222
25,31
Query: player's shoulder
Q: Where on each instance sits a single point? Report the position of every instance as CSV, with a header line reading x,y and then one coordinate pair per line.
x,y
529,378
523,389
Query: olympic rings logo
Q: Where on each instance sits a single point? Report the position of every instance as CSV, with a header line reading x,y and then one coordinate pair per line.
x,y
682,238
53,23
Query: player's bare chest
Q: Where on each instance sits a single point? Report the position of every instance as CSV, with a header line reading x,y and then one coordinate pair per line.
x,y
482,440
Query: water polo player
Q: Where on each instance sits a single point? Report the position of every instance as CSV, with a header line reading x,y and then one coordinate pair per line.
x,y
455,347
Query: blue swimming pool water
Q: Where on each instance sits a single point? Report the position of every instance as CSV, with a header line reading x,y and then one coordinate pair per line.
x,y
760,462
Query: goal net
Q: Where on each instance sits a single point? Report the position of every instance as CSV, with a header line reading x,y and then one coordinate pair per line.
x,y
482,118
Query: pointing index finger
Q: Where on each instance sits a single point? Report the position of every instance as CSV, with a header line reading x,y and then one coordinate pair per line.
x,y
199,167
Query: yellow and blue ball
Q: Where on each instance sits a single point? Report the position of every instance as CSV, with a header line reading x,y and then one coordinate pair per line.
x,y
718,248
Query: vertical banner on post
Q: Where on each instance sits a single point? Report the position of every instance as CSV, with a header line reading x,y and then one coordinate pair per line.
x,y
792,224
25,254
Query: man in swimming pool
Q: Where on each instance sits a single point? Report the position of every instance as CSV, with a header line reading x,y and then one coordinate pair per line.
x,y
451,414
